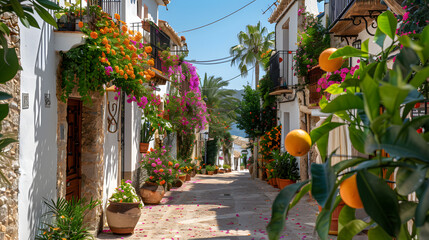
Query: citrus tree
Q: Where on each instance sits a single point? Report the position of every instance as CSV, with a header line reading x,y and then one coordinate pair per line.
x,y
374,103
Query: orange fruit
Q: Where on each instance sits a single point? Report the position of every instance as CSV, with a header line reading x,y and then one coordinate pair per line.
x,y
349,192
329,65
297,142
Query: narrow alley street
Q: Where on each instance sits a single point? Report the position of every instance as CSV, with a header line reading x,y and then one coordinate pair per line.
x,y
222,206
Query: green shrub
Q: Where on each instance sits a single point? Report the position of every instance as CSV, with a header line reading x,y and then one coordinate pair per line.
x,y
286,166
210,168
226,166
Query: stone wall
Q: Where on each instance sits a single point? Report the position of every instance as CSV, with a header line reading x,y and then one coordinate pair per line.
x,y
92,160
10,126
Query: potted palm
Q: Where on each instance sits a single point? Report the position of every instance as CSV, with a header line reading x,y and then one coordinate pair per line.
x,y
286,169
210,169
146,134
162,172
123,211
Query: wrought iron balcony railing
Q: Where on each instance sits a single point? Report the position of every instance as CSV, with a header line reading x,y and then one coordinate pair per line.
x,y
337,8
159,42
281,69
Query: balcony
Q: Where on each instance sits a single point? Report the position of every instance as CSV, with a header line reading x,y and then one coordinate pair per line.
x,y
110,6
159,42
350,17
281,72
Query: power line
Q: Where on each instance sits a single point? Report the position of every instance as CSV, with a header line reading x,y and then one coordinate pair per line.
x,y
193,29
211,63
239,75
213,60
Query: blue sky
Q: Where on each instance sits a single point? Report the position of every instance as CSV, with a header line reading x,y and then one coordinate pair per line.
x,y
214,41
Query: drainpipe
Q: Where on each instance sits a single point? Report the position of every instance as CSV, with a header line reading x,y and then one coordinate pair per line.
x,y
122,135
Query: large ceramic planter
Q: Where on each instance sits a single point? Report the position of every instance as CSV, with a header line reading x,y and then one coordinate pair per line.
x,y
210,172
122,218
188,177
284,182
144,147
152,193
182,178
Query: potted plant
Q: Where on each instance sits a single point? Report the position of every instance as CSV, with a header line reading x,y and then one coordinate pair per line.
x,y
203,169
123,211
227,168
161,170
146,134
242,166
66,17
216,171
286,169
210,169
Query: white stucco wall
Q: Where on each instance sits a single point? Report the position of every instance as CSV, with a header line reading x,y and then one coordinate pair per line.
x,y
152,9
311,7
130,9
38,126
111,157
132,136
293,109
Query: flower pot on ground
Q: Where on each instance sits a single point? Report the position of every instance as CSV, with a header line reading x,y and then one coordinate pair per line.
x,y
146,134
188,177
227,168
177,183
203,171
152,193
210,169
123,211
333,229
182,177
286,169
220,171
210,172
193,173
216,171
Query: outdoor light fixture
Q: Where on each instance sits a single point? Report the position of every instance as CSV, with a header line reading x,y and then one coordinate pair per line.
x,y
112,112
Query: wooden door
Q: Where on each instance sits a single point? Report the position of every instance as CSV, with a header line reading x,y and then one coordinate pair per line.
x,y
74,136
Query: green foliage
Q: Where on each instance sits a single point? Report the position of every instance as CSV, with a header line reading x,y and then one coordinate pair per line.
x,y
375,107
147,130
160,166
286,166
212,150
66,219
311,42
249,112
269,109
415,18
210,168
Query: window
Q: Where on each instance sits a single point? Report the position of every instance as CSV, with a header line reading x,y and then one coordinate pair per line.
x,y
139,8
146,12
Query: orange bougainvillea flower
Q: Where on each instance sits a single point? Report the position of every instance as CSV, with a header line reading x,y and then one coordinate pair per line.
x,y
131,32
117,16
170,163
148,49
162,182
161,170
151,177
113,52
124,28
94,35
80,24
104,41
121,72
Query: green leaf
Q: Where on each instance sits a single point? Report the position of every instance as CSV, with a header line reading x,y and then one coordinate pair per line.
x,y
420,77
351,229
350,82
344,102
392,98
323,102
25,22
324,129
347,215
5,29
347,52
16,5
323,221
322,146
423,207
407,210
300,194
357,137
323,182
5,142
49,5
335,89
379,202
424,231
378,233
4,96
8,70
280,209
31,20
408,180
387,24
343,165
364,46
379,37
4,111
45,15
371,97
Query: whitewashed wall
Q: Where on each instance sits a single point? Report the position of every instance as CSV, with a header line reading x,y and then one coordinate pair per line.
x,y
37,134
293,109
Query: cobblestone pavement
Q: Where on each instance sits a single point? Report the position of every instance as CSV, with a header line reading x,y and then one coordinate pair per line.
x,y
221,207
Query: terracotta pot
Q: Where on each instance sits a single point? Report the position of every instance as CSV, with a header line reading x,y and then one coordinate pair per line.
x,y
188,177
152,193
228,170
275,183
203,171
144,147
216,171
177,183
242,168
210,172
182,178
221,171
122,218
284,182
333,229
193,173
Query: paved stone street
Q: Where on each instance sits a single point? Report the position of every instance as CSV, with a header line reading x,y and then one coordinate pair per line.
x,y
222,206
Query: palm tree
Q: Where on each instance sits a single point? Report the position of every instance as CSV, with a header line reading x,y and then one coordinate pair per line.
x,y
252,43
218,99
